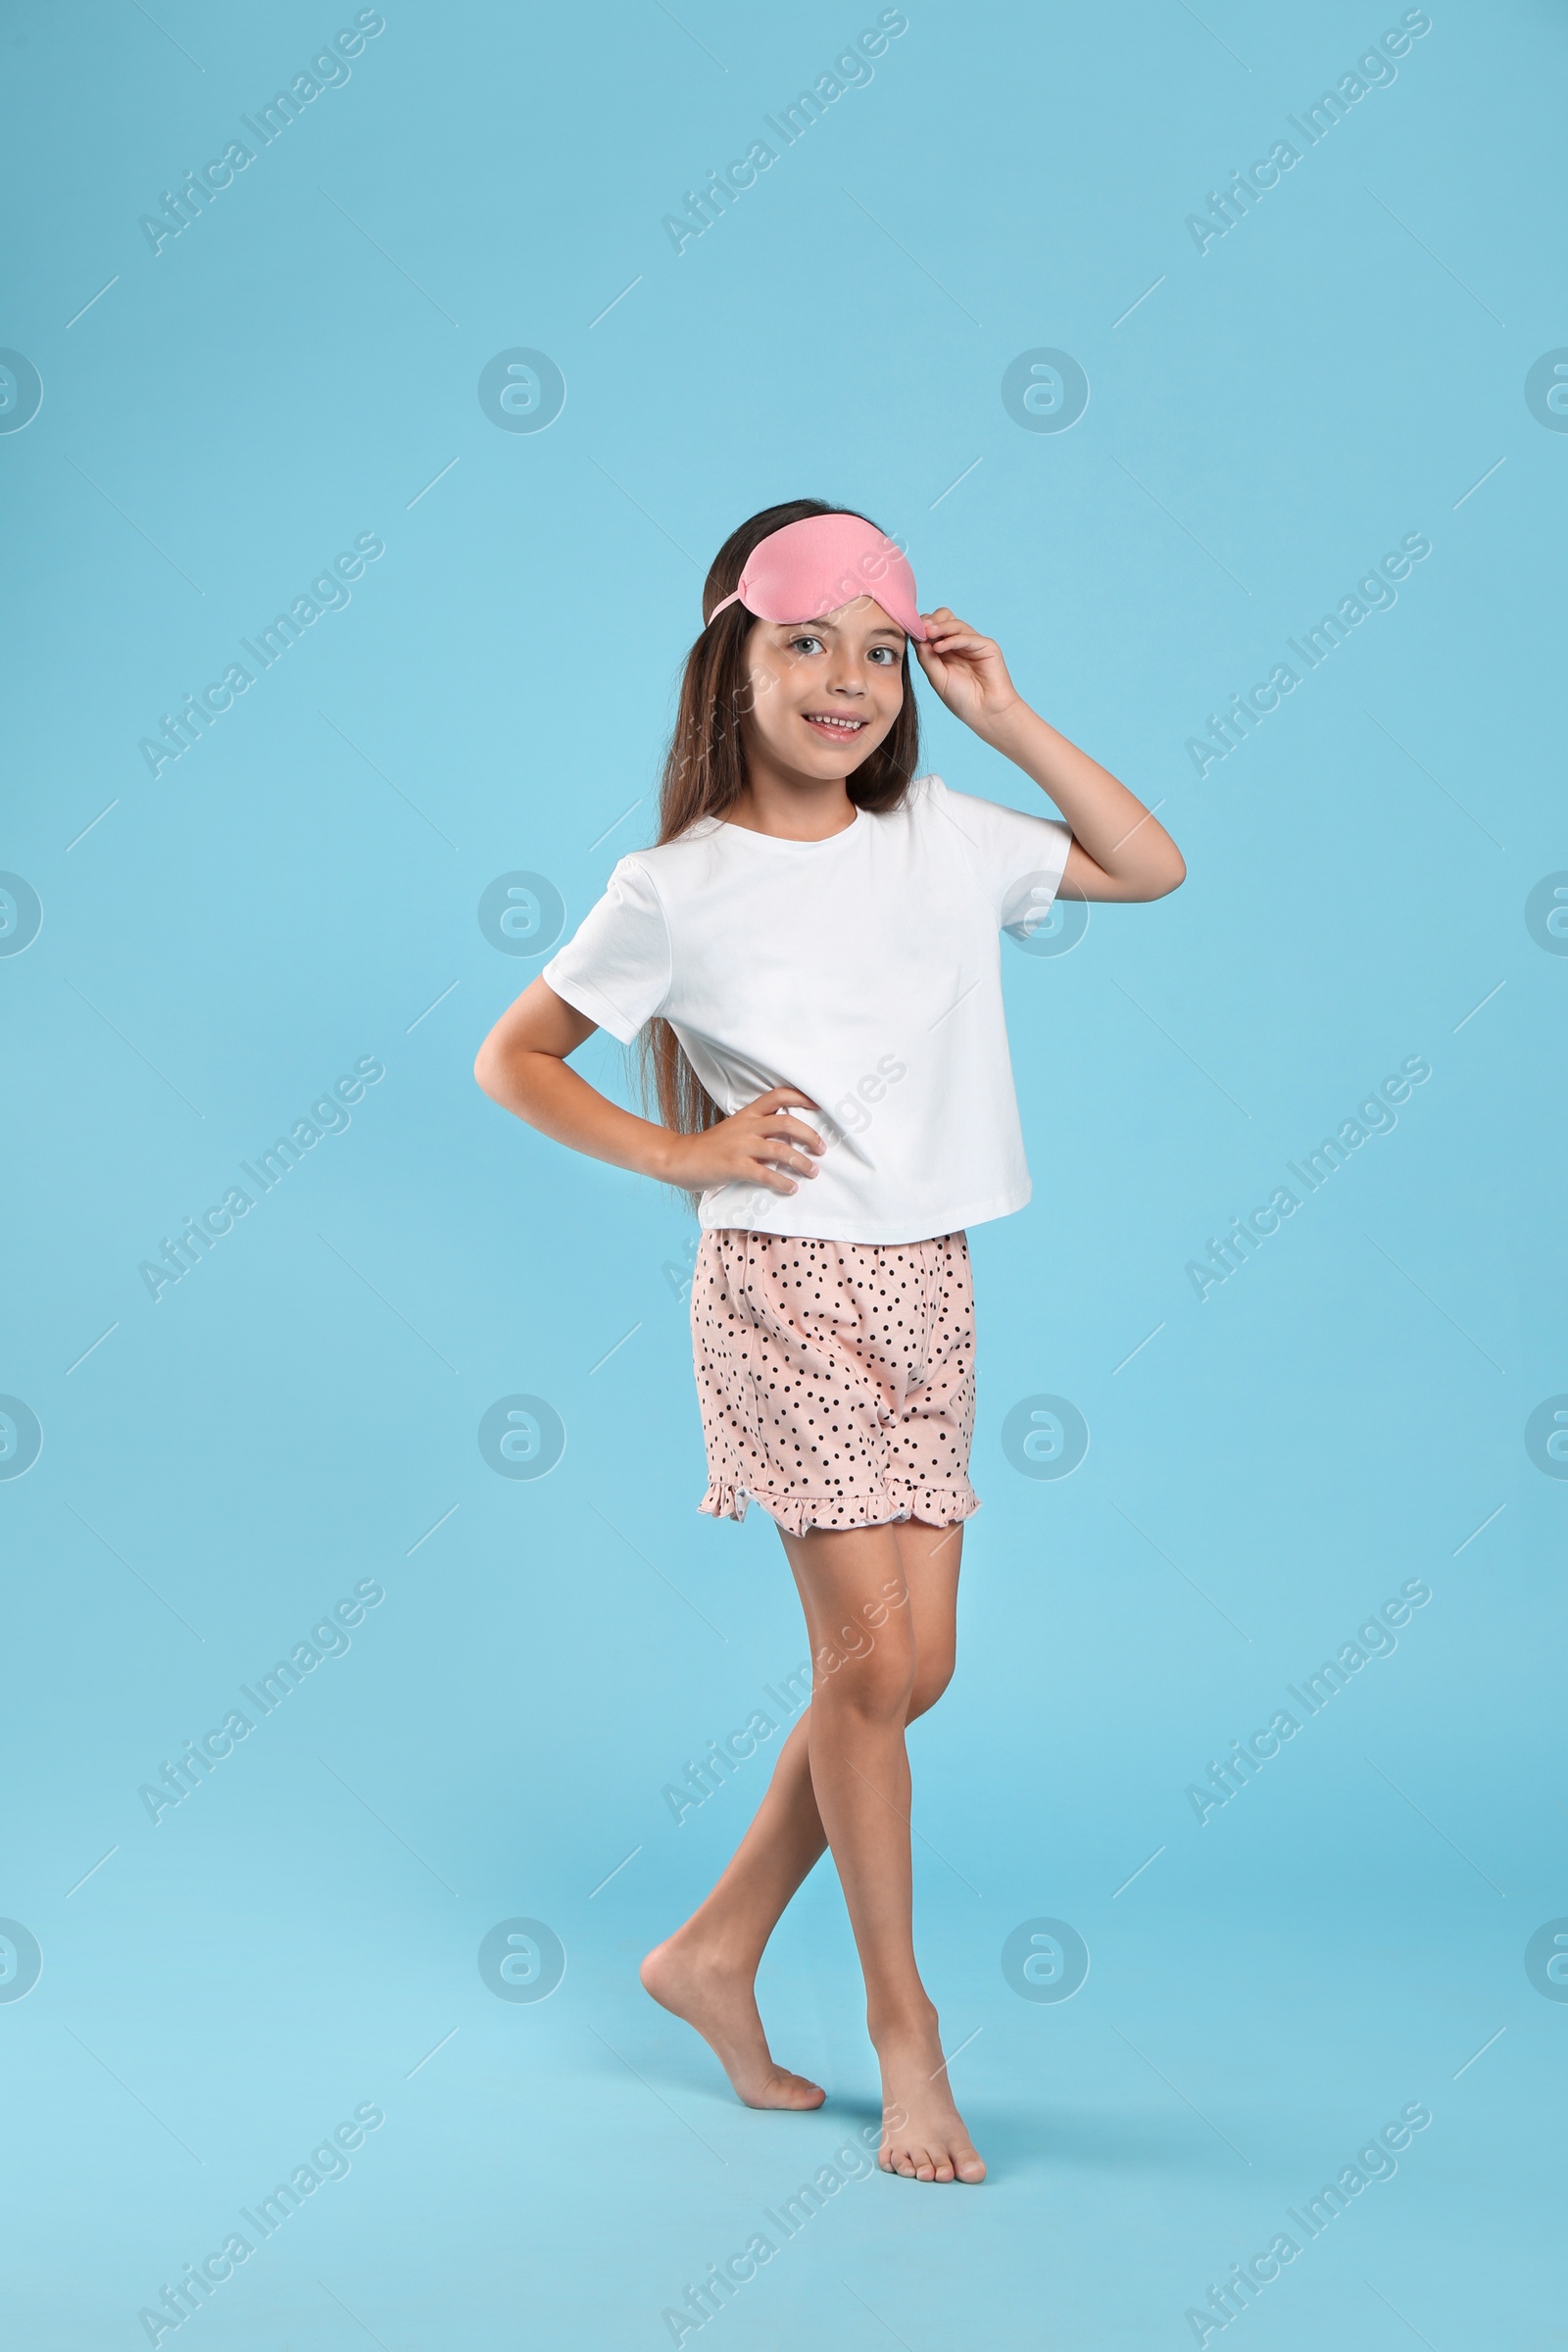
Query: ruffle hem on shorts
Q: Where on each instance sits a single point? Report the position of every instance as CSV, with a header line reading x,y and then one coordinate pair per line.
x,y
935,1506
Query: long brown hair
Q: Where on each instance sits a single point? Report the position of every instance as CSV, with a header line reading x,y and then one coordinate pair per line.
x,y
705,771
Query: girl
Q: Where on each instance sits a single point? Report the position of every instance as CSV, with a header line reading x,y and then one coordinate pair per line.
x,y
810,955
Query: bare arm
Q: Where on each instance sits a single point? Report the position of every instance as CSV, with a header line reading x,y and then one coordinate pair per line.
x,y
1119,850
523,1066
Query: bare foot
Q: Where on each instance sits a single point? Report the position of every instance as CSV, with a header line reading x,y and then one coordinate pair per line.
x,y
924,2135
719,2003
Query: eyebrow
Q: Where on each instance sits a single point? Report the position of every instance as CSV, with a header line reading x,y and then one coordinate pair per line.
x,y
885,628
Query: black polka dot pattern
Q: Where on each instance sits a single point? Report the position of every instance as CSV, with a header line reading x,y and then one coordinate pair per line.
x,y
836,1379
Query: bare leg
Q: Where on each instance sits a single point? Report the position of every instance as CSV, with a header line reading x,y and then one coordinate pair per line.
x,y
704,1973
707,1970
860,1775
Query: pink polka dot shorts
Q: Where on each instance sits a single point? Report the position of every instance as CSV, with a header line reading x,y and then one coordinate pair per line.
x,y
836,1379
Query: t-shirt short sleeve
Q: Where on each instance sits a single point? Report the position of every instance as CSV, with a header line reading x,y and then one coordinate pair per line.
x,y
616,968
1017,858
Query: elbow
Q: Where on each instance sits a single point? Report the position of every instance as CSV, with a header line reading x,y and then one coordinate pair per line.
x,y
488,1070
1165,874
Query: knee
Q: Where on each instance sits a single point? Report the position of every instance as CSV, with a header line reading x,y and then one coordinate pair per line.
x,y
878,1682
932,1674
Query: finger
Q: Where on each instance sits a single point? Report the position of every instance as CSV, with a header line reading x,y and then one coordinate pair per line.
x,y
779,1149
762,1174
795,1131
779,1124
778,1098
780,1152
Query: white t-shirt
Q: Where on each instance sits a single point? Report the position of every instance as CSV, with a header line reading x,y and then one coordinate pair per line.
x,y
864,970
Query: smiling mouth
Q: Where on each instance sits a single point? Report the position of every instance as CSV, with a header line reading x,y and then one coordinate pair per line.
x,y
833,726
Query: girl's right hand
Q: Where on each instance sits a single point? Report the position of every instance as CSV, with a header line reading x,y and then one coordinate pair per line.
x,y
753,1146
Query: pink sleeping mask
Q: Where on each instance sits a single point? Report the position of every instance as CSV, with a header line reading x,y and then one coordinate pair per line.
x,y
812,568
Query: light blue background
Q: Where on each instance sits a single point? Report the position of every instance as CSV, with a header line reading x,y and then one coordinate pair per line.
x,y
300,891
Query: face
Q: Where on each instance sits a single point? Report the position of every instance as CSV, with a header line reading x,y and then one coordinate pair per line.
x,y
824,693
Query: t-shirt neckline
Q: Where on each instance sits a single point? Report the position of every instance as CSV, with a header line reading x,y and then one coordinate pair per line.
x,y
780,841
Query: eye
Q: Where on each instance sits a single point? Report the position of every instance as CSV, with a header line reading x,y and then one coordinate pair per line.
x,y
799,644
885,654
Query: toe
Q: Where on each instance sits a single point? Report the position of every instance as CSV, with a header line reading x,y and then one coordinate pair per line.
x,y
969,2165
789,2089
